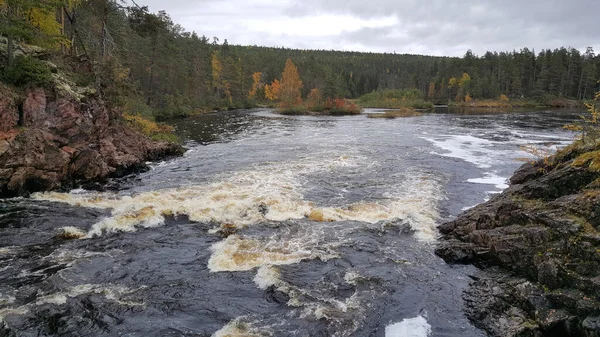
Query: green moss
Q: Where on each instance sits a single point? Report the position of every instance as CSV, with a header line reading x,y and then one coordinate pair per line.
x,y
586,226
530,324
591,159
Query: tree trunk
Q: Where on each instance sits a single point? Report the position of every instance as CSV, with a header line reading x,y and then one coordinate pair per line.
x,y
580,82
585,85
63,48
9,51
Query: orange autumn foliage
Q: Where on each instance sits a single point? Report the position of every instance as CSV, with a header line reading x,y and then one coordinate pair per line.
x,y
256,84
291,85
272,91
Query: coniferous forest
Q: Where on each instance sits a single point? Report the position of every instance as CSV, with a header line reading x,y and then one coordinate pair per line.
x,y
150,65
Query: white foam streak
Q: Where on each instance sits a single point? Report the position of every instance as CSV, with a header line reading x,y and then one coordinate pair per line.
x,y
410,327
266,277
240,254
240,327
468,148
113,293
491,179
314,306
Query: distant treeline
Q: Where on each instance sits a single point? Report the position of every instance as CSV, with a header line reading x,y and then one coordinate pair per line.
x,y
173,72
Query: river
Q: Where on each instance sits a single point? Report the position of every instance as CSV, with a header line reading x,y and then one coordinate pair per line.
x,y
268,226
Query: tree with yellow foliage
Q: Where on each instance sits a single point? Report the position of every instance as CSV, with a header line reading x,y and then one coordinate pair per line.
x,y
453,84
314,99
272,91
256,85
221,88
464,81
291,85
460,86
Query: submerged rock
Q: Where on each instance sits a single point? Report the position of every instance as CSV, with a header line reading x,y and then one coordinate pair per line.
x,y
538,247
51,141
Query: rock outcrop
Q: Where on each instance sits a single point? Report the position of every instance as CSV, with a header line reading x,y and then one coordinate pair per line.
x,y
50,141
538,248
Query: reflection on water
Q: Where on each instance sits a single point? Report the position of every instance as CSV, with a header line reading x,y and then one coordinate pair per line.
x,y
268,226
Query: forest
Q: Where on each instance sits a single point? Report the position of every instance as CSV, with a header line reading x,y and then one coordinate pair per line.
x,y
149,65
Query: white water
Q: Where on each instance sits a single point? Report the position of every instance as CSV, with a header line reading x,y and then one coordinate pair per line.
x,y
410,327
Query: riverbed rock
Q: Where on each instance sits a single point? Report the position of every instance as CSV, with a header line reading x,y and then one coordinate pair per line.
x,y
538,248
58,142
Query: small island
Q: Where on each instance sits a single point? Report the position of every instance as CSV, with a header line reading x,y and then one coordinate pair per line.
x,y
288,92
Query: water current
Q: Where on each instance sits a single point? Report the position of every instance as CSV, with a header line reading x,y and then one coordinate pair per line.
x,y
268,226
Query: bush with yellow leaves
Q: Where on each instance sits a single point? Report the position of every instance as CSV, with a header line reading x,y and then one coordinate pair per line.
x,y
156,131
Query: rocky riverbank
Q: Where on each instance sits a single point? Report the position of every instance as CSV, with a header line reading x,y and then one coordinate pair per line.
x,y
538,248
51,140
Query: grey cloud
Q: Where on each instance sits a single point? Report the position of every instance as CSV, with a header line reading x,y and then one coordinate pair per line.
x,y
503,24
441,27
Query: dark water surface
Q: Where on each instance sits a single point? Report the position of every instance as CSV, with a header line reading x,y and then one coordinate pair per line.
x,y
268,226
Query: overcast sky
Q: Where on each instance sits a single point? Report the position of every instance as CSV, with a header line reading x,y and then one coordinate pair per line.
x,y
432,27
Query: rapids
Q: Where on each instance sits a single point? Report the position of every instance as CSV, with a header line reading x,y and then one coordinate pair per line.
x,y
268,226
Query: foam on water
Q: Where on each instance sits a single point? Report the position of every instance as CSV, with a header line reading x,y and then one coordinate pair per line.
x,y
117,294
269,192
468,148
5,300
242,327
491,179
347,313
239,254
8,250
410,327
415,202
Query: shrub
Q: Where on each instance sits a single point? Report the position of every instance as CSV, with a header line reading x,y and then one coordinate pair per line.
x,y
27,71
156,131
341,107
